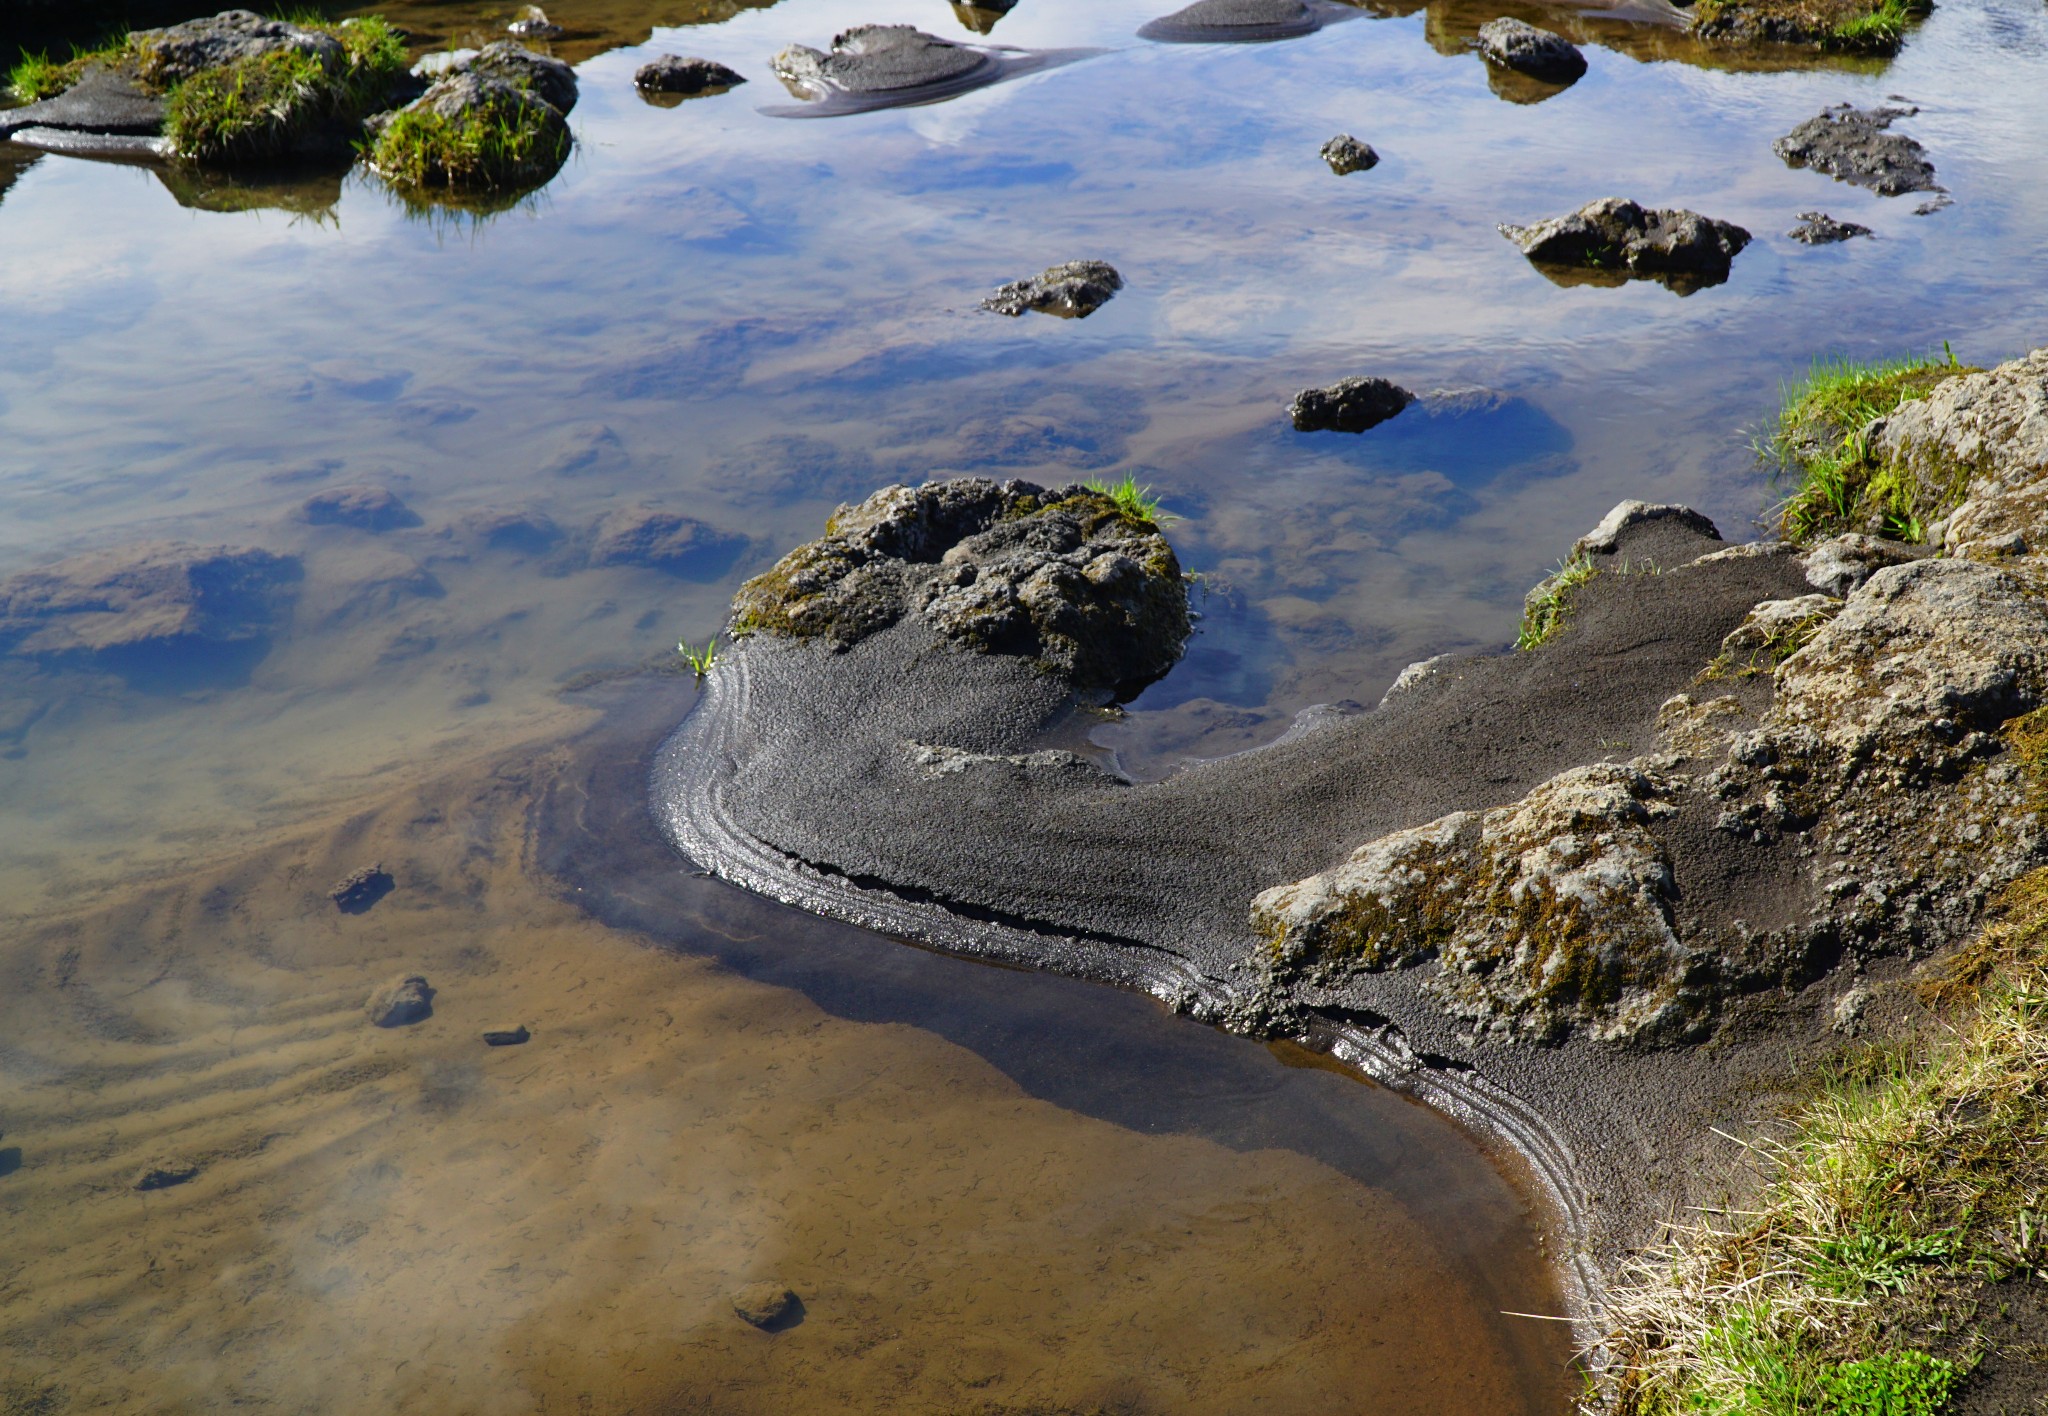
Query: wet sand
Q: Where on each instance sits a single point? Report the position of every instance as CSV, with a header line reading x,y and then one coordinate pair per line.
x,y
408,1218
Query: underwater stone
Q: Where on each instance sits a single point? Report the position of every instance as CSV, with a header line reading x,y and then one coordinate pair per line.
x,y
153,593
163,1174
765,1305
663,540
365,508
361,888
403,1001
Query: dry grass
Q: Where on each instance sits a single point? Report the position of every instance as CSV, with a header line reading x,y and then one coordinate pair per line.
x,y
1906,1180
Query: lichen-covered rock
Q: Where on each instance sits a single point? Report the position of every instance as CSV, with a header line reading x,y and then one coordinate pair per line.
x,y
1551,911
1518,45
1680,249
1351,405
177,52
547,77
1072,290
1853,144
1842,563
1774,631
1066,577
1346,155
1987,432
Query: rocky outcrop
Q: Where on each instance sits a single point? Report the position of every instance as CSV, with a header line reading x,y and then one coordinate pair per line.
x,y
1615,239
152,595
1518,45
1856,146
1346,155
1817,228
1072,290
671,73
1986,433
1068,578
1347,406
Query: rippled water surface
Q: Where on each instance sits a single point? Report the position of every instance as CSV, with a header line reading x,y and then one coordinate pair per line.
x,y
747,319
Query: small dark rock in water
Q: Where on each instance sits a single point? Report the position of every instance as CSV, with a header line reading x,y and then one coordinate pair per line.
x,y
1073,290
507,1037
1817,228
878,59
672,73
533,23
1514,44
405,1000
1616,239
1347,406
152,595
982,16
365,508
1228,21
358,890
162,1174
768,1306
1853,145
1346,154
664,540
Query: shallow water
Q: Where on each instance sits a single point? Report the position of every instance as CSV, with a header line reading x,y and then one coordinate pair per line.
x,y
747,319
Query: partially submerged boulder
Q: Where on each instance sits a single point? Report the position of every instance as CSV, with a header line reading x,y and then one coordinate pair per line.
x,y
1347,406
1347,154
1855,145
155,594
484,130
1613,240
1518,45
1817,228
870,59
1241,21
1072,290
1070,577
671,73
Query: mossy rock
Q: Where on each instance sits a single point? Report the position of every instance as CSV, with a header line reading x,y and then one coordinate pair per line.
x,y
472,133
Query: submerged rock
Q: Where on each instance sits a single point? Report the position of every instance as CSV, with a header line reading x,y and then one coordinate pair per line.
x,y
163,1174
365,508
1346,155
1855,145
1066,577
155,594
1817,228
1238,21
1614,238
871,59
405,1000
1348,405
1518,45
1072,290
507,1037
767,1306
662,540
358,891
672,73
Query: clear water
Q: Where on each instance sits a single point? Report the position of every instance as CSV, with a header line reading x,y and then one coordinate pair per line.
x,y
748,319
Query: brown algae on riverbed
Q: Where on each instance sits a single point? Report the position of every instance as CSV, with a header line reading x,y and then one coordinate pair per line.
x,y
404,1217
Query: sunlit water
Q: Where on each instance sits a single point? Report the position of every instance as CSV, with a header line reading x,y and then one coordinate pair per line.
x,y
748,319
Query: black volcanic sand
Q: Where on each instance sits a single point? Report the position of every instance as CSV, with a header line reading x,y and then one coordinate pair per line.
x,y
794,777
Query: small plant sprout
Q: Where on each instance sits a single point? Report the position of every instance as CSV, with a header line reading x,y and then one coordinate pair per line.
x,y
699,660
1135,502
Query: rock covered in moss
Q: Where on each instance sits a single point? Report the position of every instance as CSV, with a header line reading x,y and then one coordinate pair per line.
x,y
1678,248
1072,290
474,131
178,52
1067,577
553,81
1521,46
1842,563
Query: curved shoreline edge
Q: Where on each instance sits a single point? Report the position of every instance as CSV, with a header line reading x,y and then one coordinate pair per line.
x,y
686,797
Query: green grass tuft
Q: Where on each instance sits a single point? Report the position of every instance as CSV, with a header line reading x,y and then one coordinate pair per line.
x,y
1135,502
1548,608
491,150
1890,1384
261,107
36,77
1822,440
1879,30
700,661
